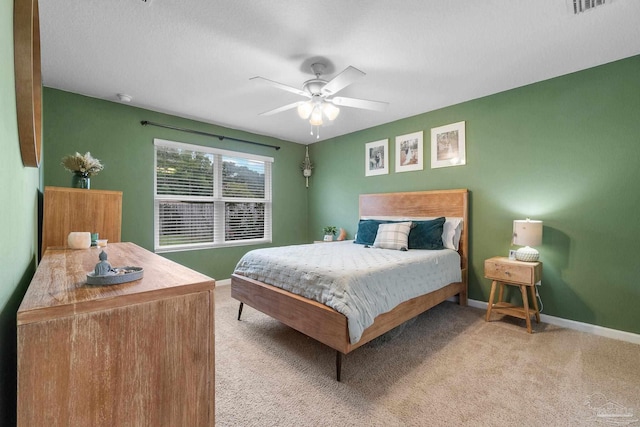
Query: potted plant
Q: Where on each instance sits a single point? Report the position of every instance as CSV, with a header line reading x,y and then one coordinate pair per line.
x,y
329,232
83,166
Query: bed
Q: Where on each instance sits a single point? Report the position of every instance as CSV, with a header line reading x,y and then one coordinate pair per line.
x,y
331,327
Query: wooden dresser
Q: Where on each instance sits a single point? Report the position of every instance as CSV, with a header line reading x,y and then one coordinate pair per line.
x,y
136,354
75,209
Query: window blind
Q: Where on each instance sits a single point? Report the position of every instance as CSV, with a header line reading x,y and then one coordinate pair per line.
x,y
206,197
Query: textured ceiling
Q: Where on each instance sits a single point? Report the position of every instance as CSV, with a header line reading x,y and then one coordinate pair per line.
x,y
194,58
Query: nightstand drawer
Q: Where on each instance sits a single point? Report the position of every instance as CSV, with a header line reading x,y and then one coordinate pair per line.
x,y
504,270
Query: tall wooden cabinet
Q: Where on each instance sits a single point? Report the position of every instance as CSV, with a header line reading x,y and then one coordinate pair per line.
x,y
134,354
75,209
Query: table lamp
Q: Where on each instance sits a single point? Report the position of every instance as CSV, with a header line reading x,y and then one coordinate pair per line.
x,y
527,233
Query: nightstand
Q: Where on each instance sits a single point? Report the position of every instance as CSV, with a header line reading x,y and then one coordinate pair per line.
x,y
525,275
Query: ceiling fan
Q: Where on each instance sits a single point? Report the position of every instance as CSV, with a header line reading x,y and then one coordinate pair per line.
x,y
320,93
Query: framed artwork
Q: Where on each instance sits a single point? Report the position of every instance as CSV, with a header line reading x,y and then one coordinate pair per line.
x,y
409,150
448,145
377,158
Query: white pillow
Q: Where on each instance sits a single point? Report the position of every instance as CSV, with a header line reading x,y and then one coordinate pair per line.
x,y
451,232
393,236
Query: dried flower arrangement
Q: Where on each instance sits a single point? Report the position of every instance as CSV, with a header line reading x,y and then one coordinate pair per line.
x,y
80,164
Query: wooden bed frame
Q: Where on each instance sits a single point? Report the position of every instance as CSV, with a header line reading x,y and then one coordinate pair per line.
x,y
328,326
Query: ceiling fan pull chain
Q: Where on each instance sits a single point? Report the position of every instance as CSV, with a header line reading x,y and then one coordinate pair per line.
x,y
317,131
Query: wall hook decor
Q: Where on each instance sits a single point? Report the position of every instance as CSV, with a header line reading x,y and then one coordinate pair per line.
x,y
307,166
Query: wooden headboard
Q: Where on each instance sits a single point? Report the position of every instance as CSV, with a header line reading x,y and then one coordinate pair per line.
x,y
452,203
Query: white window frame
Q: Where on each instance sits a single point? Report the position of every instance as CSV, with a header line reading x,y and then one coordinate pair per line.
x,y
217,200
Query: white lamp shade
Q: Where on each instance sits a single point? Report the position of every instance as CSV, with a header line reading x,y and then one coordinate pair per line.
x,y
316,117
527,232
305,109
330,110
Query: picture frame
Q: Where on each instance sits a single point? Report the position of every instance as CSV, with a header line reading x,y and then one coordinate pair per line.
x,y
448,145
376,158
409,152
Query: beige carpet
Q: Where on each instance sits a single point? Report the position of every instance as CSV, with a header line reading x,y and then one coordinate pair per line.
x,y
448,367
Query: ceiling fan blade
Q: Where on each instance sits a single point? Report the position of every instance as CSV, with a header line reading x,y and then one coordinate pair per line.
x,y
342,80
282,86
280,109
360,103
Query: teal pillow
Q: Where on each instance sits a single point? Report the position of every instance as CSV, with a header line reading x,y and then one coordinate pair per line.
x,y
427,234
367,231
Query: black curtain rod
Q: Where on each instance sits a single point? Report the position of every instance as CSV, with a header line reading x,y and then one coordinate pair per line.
x,y
197,132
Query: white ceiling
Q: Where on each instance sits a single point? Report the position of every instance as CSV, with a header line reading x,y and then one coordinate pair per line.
x,y
194,58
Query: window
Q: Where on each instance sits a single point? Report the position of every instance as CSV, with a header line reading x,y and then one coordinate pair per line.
x,y
206,197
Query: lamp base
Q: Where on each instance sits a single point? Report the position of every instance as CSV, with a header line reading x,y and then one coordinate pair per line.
x,y
527,254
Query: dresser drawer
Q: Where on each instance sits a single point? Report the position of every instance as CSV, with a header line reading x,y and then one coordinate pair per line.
x,y
504,270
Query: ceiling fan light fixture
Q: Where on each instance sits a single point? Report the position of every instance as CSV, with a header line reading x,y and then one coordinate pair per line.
x,y
305,109
330,110
320,96
316,117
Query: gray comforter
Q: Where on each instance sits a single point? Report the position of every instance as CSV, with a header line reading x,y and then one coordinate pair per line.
x,y
359,282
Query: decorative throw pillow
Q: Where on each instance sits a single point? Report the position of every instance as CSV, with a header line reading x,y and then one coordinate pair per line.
x,y
367,230
427,234
393,236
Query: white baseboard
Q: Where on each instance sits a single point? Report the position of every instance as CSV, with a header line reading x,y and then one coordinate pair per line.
x,y
578,326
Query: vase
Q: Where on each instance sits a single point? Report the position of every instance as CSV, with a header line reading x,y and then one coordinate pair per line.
x,y
80,180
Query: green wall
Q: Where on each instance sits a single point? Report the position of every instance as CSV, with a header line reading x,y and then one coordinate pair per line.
x,y
18,220
112,133
564,151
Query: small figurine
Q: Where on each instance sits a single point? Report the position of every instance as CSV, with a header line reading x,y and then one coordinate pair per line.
x,y
103,268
